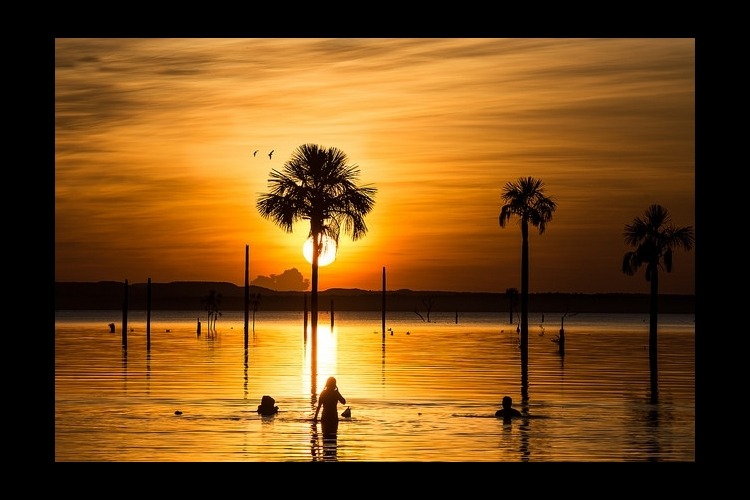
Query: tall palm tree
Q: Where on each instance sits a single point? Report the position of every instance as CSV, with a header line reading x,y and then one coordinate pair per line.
x,y
654,238
318,185
525,199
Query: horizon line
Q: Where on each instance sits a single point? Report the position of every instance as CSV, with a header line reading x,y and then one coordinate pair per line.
x,y
369,290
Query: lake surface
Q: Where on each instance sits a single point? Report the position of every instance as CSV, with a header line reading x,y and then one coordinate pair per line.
x,y
425,393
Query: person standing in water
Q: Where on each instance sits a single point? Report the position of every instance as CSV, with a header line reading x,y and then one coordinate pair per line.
x,y
507,411
329,399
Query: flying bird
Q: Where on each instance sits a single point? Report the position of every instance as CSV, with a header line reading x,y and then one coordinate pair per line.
x,y
270,154
255,152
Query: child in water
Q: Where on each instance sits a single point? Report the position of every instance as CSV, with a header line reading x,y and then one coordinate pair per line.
x,y
507,411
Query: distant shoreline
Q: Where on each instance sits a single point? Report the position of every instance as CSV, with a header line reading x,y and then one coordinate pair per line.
x,y
188,295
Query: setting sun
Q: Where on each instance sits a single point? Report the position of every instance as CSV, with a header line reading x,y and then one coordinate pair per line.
x,y
437,125
328,251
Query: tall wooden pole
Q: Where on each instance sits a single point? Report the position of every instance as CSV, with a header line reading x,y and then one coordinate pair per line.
x,y
148,315
125,318
383,320
247,290
331,315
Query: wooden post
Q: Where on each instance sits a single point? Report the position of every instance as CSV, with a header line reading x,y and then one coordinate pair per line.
x,y
383,314
331,315
148,315
198,327
125,318
247,290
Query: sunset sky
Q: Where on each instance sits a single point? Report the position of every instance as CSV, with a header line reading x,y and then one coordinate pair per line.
x,y
155,175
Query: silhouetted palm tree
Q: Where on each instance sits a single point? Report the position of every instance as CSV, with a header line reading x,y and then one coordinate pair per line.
x,y
525,199
654,237
212,302
318,185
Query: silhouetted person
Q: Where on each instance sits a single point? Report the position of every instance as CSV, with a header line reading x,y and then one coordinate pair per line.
x,y
329,399
266,406
507,411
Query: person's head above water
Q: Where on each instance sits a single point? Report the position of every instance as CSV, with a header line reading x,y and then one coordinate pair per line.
x,y
331,383
507,402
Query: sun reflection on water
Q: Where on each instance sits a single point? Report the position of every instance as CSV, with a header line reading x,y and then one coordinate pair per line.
x,y
327,359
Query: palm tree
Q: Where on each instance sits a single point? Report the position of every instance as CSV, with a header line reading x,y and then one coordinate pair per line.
x,y
319,186
525,199
212,301
654,237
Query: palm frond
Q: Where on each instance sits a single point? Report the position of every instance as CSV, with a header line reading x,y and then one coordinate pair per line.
x,y
654,237
317,184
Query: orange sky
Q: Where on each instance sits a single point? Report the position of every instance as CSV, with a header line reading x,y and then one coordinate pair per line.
x,y
155,176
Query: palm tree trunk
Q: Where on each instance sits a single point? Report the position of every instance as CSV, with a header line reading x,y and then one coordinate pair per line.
x,y
652,336
524,293
314,304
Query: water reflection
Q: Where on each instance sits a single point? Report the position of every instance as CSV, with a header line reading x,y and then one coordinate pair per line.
x,y
323,447
330,447
382,370
590,405
525,385
322,360
246,364
125,369
650,415
525,432
148,372
314,446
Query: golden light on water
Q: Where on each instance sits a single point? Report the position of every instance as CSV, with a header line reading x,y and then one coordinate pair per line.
x,y
327,359
429,396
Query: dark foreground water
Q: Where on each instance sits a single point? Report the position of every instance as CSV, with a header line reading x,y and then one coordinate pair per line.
x,y
425,393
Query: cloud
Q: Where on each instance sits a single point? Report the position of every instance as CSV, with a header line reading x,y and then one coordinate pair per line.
x,y
290,280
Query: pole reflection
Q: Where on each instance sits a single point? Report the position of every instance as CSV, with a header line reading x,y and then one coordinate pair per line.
x,y
382,369
246,379
148,373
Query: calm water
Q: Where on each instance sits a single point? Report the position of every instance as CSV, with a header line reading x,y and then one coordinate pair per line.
x,y
427,393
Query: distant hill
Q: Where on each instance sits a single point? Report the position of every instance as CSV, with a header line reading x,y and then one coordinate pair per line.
x,y
188,295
